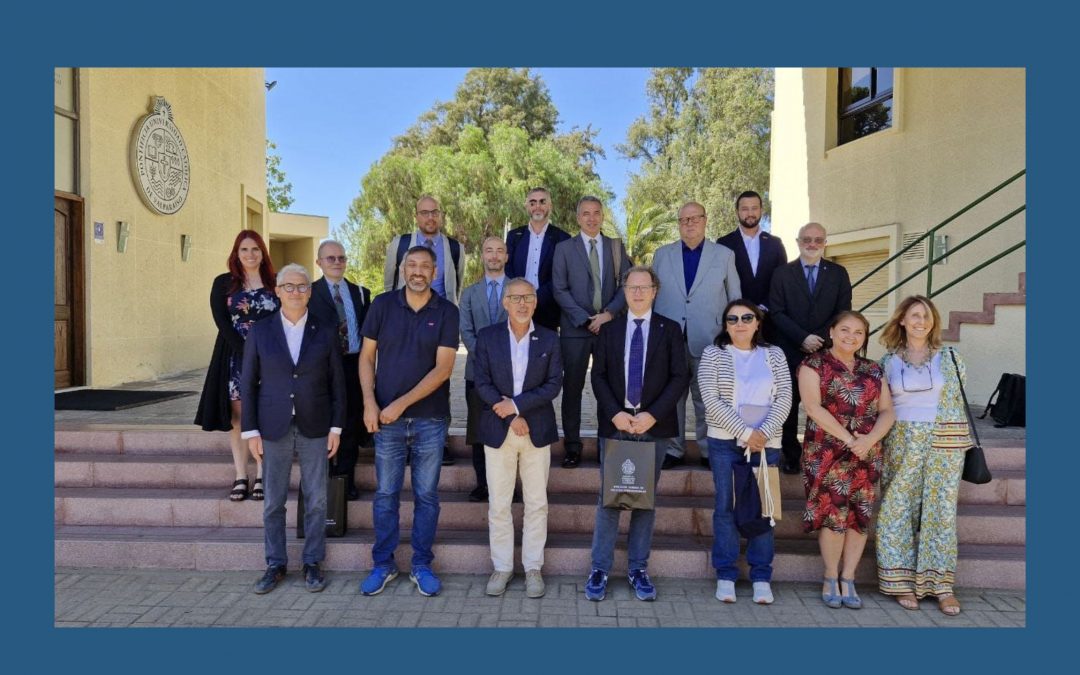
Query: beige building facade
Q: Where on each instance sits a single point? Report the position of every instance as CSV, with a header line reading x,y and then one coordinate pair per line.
x,y
133,282
944,138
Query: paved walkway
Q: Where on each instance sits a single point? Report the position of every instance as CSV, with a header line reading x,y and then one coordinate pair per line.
x,y
98,597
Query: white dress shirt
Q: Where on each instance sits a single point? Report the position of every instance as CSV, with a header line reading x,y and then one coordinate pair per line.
x,y
630,327
599,251
532,264
519,358
753,249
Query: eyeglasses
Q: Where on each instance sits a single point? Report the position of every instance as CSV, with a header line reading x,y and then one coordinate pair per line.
x,y
692,219
427,214
528,299
298,288
812,240
640,289
917,385
335,258
746,318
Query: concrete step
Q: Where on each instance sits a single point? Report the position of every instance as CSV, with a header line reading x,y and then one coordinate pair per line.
x,y
567,513
216,471
466,552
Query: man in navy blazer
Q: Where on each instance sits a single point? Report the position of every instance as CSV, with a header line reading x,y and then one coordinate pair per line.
x,y
531,249
336,301
806,294
639,373
293,391
518,373
758,254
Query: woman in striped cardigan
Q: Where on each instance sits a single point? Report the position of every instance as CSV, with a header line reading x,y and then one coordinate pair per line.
x,y
746,386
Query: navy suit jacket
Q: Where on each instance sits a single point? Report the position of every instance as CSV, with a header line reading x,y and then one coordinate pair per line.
x,y
666,375
517,251
755,287
495,379
271,384
322,306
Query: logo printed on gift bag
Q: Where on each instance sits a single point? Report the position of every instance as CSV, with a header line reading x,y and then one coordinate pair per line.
x,y
628,470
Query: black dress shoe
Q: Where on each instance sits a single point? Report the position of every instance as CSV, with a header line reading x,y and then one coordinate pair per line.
x,y
572,459
352,494
479,494
788,467
671,461
447,458
704,462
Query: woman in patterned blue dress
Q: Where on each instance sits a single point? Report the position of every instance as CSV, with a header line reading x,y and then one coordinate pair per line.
x,y
238,299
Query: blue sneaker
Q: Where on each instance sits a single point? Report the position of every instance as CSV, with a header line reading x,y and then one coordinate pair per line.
x,y
426,582
642,585
596,585
377,580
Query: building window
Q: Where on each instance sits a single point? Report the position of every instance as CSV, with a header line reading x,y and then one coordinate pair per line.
x,y
866,102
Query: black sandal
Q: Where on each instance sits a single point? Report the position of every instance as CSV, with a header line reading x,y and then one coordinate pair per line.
x,y
239,490
257,490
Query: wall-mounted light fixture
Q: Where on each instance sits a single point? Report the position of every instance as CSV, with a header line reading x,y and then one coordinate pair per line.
x,y
122,236
186,241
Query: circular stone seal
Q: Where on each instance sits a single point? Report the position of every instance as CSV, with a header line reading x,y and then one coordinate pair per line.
x,y
159,160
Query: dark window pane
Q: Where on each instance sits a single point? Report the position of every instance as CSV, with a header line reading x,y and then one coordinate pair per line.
x,y
865,122
884,80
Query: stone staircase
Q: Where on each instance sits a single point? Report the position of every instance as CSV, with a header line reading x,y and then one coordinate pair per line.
x,y
155,496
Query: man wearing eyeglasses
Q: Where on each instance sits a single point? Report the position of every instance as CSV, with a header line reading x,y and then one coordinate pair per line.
x,y
338,302
805,295
518,375
758,254
697,279
450,267
586,275
293,390
531,249
638,374
481,306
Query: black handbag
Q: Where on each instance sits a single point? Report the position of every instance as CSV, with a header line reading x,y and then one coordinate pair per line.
x,y
337,509
975,469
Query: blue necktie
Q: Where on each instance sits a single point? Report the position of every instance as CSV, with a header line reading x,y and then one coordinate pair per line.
x,y
811,277
493,300
637,361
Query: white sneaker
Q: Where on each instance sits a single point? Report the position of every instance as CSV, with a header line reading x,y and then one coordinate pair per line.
x,y
497,583
725,591
763,593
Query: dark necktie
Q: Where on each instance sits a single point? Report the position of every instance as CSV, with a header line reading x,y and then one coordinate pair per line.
x,y
343,320
493,300
811,277
637,360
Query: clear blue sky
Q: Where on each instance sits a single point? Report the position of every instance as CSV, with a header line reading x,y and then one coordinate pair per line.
x,y
331,124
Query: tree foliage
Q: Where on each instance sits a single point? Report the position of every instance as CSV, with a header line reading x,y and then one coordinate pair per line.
x,y
278,190
478,155
705,138
647,229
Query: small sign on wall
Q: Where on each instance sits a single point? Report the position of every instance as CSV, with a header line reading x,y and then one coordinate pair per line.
x,y
99,233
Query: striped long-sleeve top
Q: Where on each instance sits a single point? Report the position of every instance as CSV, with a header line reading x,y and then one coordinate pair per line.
x,y
719,388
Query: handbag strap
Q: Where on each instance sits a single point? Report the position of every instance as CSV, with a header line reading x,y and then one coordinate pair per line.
x,y
963,394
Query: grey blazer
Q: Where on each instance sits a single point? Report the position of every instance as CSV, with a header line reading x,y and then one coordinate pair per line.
x,y
474,316
452,277
699,311
573,285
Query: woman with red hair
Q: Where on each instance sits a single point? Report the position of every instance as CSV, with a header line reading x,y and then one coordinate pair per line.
x,y
238,298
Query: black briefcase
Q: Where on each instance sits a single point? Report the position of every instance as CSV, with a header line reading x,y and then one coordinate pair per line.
x,y
336,508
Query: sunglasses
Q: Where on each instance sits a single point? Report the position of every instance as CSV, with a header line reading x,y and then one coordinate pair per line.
x,y
746,318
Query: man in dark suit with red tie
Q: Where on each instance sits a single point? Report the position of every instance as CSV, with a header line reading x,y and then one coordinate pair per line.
x,y
336,301
758,254
530,250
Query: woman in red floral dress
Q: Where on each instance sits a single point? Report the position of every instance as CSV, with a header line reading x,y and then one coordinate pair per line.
x,y
848,413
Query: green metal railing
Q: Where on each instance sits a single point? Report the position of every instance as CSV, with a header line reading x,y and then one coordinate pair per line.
x,y
929,266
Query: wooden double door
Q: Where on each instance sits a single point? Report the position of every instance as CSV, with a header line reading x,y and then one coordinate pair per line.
x,y
69,345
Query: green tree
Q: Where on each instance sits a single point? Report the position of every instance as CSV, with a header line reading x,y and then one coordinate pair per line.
x,y
278,190
647,228
705,138
478,155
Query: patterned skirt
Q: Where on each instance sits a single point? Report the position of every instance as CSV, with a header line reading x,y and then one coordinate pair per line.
x,y
840,490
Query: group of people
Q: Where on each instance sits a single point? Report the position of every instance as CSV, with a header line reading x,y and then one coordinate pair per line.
x,y
320,368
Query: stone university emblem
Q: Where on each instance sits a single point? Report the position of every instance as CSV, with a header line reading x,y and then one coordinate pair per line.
x,y
159,160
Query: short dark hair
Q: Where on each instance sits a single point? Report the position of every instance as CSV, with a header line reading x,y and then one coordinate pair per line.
x,y
724,339
747,194
420,249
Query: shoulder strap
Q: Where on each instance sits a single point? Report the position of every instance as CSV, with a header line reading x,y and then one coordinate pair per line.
x,y
963,394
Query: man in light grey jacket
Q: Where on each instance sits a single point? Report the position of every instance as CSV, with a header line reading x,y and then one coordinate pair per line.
x,y
697,279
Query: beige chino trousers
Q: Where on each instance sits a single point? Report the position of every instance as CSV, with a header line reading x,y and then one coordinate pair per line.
x,y
517,453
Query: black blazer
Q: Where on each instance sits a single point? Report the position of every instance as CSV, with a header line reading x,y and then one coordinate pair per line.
x,y
796,314
517,251
665,379
322,305
271,385
755,287
495,378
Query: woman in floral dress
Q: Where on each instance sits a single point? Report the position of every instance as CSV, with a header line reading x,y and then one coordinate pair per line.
x,y
238,299
848,413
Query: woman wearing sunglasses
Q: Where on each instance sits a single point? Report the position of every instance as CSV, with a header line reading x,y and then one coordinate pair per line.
x,y
849,411
924,456
746,387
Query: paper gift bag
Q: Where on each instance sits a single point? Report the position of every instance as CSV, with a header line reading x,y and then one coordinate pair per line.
x,y
629,474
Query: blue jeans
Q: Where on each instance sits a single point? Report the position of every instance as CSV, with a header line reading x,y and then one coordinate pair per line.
x,y
277,464
426,436
723,454
606,529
